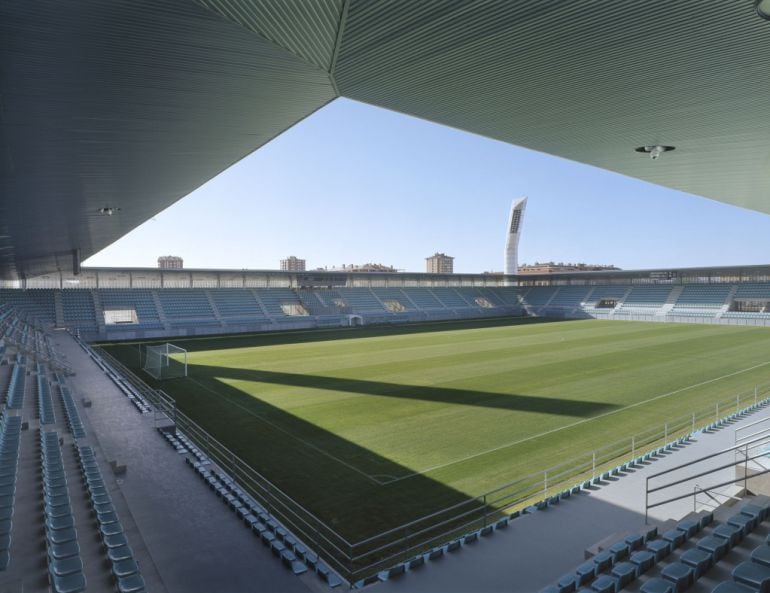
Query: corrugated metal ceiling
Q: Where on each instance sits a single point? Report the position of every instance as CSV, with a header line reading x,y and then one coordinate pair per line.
x,y
130,105
135,103
588,81
307,29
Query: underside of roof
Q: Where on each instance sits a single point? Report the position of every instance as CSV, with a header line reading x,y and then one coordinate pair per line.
x,y
126,106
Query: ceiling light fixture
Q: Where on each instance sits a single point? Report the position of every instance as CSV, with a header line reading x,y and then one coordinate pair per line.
x,y
655,150
763,8
108,210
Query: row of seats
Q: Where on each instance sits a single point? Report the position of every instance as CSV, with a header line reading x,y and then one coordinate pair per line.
x,y
74,423
10,440
293,554
619,564
44,400
188,309
119,378
122,563
182,444
65,566
16,387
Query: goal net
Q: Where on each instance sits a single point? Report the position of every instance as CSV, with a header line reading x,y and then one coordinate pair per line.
x,y
165,361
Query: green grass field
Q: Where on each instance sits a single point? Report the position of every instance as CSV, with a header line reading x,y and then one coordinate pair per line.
x,y
369,428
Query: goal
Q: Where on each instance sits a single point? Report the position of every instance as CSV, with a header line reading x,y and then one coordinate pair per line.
x,y
165,361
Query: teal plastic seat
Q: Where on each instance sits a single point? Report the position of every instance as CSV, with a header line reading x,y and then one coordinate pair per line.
x,y
119,553
133,583
124,568
72,583
66,566
657,585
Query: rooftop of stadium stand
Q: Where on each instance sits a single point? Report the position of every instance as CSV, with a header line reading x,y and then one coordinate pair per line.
x,y
494,70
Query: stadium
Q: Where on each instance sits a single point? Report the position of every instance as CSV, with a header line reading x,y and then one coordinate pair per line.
x,y
259,430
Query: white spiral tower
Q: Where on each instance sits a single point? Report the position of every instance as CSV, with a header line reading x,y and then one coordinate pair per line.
x,y
514,233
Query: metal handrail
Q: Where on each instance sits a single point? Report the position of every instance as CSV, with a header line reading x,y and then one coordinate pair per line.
x,y
397,542
720,485
750,424
704,458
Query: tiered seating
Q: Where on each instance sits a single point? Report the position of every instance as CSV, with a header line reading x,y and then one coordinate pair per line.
x,y
701,299
138,299
65,567
44,400
492,296
38,303
606,292
510,295
10,439
121,556
327,296
450,298
539,295
74,423
15,397
181,303
78,308
237,305
757,292
645,299
361,300
393,294
569,297
746,315
423,298
273,298
676,559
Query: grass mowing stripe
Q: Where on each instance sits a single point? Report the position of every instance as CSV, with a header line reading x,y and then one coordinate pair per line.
x,y
579,422
388,402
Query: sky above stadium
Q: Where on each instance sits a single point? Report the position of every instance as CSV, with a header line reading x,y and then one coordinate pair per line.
x,y
354,184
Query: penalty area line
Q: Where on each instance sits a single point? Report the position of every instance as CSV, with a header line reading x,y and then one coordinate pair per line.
x,y
573,424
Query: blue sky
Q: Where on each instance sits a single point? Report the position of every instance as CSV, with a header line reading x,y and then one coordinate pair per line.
x,y
354,183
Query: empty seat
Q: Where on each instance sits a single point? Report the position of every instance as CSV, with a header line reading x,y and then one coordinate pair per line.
x,y
732,587
754,575
660,548
605,584
656,585
731,533
678,573
699,560
716,546
625,572
761,555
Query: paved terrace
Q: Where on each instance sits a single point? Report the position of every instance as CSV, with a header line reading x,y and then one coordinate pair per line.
x,y
195,544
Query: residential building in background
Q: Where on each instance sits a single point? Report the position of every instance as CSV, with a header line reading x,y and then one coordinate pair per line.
x,y
554,268
367,267
293,264
439,263
170,262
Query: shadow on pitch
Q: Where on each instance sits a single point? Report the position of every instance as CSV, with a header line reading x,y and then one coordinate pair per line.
x,y
481,399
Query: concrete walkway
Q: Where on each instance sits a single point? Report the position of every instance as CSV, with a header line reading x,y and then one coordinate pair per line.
x,y
197,544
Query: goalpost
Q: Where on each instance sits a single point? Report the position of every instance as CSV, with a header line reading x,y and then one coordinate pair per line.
x,y
165,361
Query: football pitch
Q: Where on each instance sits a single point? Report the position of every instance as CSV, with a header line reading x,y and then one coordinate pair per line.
x,y
369,428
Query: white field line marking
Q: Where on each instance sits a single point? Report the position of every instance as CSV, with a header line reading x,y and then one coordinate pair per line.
x,y
303,441
546,433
